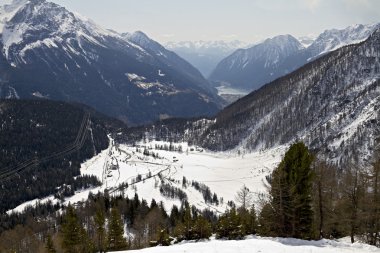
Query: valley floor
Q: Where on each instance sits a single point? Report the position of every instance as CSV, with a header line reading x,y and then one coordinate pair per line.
x,y
255,244
224,173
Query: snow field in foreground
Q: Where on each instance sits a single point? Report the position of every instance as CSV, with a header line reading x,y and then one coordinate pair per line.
x,y
255,244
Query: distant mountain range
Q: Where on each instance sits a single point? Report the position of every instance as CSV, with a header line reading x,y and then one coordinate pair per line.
x,y
49,52
205,55
251,68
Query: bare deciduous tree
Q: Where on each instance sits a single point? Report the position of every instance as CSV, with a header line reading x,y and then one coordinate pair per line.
x,y
244,197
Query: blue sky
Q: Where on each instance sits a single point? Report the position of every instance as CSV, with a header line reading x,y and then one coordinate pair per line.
x,y
246,20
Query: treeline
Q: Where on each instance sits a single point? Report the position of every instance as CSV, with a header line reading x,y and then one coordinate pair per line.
x,y
104,223
99,225
310,199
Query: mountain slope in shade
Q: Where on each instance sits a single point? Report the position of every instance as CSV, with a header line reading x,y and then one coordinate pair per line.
x,y
250,68
332,104
328,41
170,58
50,52
205,55
43,144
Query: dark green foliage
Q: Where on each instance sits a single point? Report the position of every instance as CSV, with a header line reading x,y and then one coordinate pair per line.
x,y
202,228
74,236
230,226
116,240
248,220
291,186
100,221
267,222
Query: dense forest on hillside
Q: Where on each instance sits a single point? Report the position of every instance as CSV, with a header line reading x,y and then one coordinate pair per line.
x,y
43,144
307,199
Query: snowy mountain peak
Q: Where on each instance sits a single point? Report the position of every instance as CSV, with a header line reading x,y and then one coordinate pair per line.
x,y
15,3
137,35
333,39
8,10
139,38
95,63
25,18
258,62
283,54
307,40
283,41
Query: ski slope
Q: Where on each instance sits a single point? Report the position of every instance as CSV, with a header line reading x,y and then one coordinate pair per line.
x,y
255,244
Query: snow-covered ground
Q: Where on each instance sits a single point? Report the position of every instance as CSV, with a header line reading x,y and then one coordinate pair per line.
x,y
224,173
263,245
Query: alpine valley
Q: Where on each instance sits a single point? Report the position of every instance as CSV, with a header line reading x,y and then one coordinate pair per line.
x,y
111,142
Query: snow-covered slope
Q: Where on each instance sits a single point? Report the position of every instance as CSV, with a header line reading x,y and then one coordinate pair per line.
x,y
252,67
331,104
205,55
57,54
253,244
8,10
306,41
333,39
121,164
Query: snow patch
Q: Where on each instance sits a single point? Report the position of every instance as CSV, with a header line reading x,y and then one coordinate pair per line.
x,y
256,244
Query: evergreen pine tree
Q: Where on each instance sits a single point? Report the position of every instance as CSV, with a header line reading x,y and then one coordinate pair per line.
x,y
202,228
248,218
72,232
116,240
188,222
100,229
291,187
230,226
